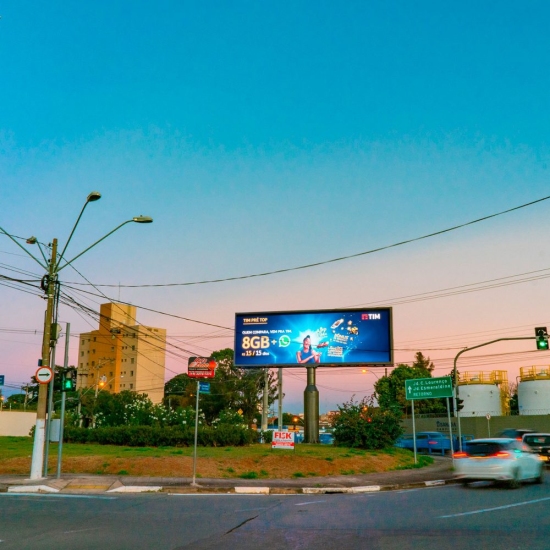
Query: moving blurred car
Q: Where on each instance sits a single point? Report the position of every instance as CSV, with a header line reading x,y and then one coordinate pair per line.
x,y
498,459
516,433
540,443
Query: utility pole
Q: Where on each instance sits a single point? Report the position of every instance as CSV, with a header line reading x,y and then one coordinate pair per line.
x,y
40,427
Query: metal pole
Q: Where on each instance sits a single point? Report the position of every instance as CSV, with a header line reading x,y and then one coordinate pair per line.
x,y
450,431
39,433
414,431
280,391
265,402
50,414
65,366
193,483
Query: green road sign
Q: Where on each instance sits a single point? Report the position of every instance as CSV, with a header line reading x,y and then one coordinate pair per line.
x,y
428,388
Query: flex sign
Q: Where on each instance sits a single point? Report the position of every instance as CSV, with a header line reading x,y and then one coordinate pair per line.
x,y
428,388
282,440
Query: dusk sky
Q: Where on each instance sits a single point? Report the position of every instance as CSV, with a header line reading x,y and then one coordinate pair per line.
x,y
263,136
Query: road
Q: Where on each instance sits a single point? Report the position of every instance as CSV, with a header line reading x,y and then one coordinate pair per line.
x,y
448,517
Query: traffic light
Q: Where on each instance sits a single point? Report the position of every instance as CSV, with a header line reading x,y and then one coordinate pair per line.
x,y
459,404
68,382
542,338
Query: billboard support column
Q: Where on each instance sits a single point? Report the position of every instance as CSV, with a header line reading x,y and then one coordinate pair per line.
x,y
265,400
311,409
280,392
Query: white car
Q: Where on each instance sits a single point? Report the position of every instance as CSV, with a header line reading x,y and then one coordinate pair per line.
x,y
498,459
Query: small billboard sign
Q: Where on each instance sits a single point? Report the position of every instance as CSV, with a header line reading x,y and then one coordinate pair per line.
x,y
201,367
283,440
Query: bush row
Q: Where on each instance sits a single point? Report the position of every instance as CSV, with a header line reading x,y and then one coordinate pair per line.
x,y
149,436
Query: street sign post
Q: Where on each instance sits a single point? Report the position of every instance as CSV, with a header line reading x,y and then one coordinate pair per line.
x,y
430,388
44,375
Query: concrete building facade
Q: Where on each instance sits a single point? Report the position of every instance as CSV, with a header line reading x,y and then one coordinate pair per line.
x,y
122,355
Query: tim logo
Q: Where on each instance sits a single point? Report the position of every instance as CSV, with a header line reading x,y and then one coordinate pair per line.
x,y
369,316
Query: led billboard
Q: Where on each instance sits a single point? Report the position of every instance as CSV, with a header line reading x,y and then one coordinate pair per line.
x,y
341,338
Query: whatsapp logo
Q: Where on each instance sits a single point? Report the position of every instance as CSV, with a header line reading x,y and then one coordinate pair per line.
x,y
284,341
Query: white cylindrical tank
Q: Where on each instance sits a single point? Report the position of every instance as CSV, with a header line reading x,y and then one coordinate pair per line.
x,y
534,397
480,399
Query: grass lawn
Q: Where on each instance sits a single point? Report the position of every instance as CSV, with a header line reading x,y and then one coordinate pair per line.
x,y
256,461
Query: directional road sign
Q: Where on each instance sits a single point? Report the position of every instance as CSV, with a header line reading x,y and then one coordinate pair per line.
x,y
1,379
428,388
204,387
44,375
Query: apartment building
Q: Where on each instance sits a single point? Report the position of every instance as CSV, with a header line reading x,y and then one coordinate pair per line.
x,y
122,355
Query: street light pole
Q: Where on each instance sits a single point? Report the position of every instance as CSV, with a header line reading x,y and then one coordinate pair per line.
x,y
49,284
40,426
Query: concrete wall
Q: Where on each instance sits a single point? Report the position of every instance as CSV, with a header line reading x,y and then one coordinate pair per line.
x,y
479,426
16,423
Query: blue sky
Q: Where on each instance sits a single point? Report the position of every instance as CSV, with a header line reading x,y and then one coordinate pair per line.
x,y
262,136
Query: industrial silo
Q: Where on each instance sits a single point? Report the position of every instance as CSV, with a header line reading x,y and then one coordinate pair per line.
x,y
534,390
484,393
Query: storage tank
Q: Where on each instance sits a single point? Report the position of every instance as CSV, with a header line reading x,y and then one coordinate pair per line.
x,y
483,393
534,390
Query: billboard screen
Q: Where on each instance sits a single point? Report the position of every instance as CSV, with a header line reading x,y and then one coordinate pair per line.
x,y
313,338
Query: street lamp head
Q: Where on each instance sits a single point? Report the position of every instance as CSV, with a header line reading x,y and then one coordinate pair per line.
x,y
93,196
32,240
142,219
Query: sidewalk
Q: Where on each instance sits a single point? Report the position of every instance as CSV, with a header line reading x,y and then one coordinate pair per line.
x,y
439,473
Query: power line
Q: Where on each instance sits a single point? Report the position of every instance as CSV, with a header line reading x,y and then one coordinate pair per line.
x,y
333,260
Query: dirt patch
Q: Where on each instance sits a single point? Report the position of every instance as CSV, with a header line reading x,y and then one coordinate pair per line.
x,y
274,466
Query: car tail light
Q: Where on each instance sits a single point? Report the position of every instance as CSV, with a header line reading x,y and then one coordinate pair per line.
x,y
432,442
501,454
460,454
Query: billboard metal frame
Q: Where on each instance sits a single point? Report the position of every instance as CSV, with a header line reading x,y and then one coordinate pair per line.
x,y
238,363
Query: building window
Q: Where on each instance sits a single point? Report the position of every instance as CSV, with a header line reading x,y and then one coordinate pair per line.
x,y
93,363
82,342
131,373
131,386
81,354
132,360
81,365
110,374
93,351
133,348
94,338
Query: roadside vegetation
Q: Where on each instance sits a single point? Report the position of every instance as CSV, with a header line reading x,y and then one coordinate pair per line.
x,y
250,462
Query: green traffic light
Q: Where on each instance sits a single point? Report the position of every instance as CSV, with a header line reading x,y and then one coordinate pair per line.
x,y
542,343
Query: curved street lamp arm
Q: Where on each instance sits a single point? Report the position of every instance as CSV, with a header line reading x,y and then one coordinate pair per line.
x,y
72,232
26,251
92,245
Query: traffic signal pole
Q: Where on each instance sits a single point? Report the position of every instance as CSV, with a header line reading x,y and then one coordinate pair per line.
x,y
455,377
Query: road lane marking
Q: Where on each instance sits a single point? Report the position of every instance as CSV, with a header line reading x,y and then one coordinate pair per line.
x,y
483,510
311,502
53,496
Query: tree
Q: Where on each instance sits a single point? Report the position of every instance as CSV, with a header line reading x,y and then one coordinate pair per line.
x,y
231,389
390,390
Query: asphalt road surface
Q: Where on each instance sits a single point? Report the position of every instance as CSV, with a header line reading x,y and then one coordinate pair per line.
x,y
448,517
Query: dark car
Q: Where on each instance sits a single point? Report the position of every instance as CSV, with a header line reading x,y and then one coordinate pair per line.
x,y
540,443
515,433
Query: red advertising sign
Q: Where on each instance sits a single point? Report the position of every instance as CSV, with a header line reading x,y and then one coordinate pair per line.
x,y
201,367
282,440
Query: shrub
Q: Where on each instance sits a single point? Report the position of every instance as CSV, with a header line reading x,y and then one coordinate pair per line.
x,y
362,425
153,436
